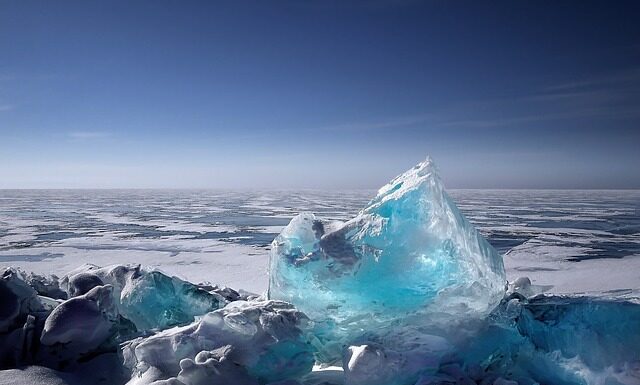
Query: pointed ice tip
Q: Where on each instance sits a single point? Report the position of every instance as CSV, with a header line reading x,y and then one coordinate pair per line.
x,y
422,172
428,162
427,166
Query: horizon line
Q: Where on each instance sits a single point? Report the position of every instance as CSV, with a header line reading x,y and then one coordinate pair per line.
x,y
307,189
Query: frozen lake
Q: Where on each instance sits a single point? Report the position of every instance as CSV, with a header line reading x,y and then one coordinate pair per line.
x,y
573,241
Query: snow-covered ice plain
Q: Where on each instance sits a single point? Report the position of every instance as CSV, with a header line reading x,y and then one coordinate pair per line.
x,y
217,236
573,241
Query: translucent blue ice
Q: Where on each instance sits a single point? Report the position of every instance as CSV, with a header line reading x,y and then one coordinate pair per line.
x,y
410,252
557,340
148,298
155,300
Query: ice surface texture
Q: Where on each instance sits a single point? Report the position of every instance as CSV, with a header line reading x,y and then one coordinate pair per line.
x,y
243,343
410,252
82,323
541,340
555,340
105,306
148,298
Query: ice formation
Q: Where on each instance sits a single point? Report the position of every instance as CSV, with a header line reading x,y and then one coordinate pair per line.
x,y
552,340
82,323
406,293
105,307
149,299
410,254
19,301
243,343
376,363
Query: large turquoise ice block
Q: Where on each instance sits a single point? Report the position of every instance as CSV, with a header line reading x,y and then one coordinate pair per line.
x,y
409,253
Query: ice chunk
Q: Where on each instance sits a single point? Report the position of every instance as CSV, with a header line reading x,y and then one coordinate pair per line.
x,y
82,323
374,365
155,300
22,314
45,286
522,286
17,301
371,365
410,252
81,283
557,340
397,359
214,367
148,298
263,340
601,335
11,306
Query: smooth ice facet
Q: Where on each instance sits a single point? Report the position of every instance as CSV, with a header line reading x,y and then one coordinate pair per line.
x,y
409,252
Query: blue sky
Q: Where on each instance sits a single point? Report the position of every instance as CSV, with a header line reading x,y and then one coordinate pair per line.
x,y
318,94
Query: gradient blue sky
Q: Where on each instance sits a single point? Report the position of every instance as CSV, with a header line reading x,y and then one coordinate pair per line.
x,y
318,94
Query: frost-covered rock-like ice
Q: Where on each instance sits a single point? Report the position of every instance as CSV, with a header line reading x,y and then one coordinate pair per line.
x,y
82,323
45,286
376,364
244,343
409,252
17,301
148,298
22,312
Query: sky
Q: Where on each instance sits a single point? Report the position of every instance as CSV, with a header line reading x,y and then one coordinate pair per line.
x,y
318,94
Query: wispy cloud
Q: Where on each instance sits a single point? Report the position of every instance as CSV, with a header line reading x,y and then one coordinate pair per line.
x,y
613,95
396,122
495,121
622,78
87,135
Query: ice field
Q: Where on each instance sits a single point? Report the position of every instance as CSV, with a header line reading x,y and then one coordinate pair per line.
x,y
564,239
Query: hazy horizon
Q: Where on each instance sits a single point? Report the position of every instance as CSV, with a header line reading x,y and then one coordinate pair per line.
x,y
267,189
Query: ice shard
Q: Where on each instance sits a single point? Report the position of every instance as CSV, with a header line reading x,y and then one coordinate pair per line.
x,y
409,255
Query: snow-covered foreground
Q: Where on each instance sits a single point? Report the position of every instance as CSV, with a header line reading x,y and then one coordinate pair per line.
x,y
407,292
123,324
